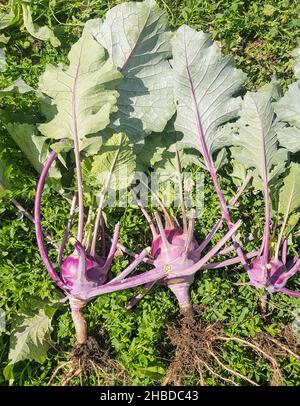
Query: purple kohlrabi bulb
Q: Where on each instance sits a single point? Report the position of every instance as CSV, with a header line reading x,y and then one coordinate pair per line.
x,y
82,272
271,276
174,251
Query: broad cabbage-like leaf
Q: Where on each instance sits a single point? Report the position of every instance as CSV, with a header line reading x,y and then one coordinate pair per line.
x,y
84,93
239,171
289,196
288,111
114,166
168,155
205,85
256,133
288,107
289,138
138,42
30,337
34,147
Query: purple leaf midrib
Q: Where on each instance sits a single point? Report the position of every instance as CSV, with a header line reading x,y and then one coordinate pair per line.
x,y
121,68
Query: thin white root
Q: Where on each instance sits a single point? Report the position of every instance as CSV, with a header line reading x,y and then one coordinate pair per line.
x,y
216,374
231,370
58,369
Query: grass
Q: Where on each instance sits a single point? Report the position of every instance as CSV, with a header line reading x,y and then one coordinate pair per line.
x,y
260,35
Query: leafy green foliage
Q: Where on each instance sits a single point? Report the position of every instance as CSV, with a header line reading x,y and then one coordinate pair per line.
x,y
296,66
256,133
204,87
261,45
34,147
30,336
288,111
22,9
84,93
116,162
289,197
138,41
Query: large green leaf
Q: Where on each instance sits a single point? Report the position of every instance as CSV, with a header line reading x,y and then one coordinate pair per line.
x,y
289,196
256,133
288,107
288,111
114,167
168,154
30,337
83,93
205,85
138,42
289,138
34,147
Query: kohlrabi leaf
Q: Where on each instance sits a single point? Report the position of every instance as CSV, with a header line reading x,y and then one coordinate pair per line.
x,y
138,42
23,7
18,86
289,138
288,107
114,166
42,33
288,111
12,16
292,221
289,196
30,337
255,133
239,170
170,156
205,85
34,147
84,93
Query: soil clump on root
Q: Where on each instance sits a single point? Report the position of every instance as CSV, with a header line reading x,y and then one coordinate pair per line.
x,y
93,356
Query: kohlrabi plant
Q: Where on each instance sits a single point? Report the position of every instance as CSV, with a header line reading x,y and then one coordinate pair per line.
x,y
206,84
256,135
